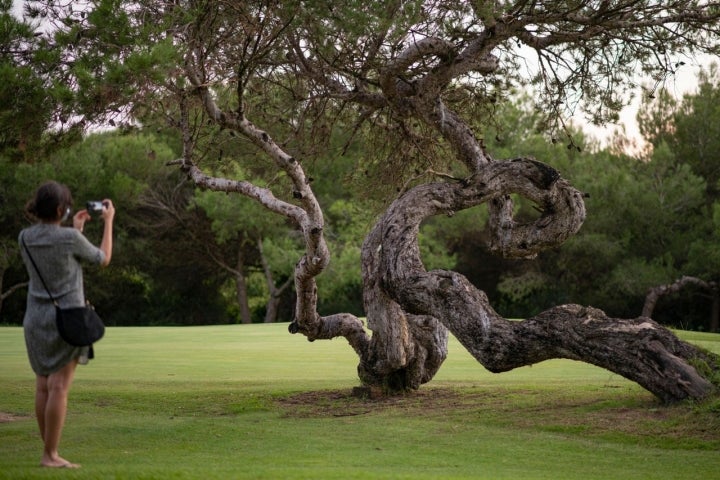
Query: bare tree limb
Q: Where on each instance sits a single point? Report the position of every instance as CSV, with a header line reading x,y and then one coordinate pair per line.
x,y
655,293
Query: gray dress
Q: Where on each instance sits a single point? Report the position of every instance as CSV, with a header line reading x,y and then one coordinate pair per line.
x,y
57,251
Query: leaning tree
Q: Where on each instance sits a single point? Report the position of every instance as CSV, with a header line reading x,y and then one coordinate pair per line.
x,y
416,83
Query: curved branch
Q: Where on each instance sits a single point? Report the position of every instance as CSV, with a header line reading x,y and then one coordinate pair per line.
x,y
639,349
335,88
576,25
309,217
459,136
562,207
13,289
655,293
418,50
263,196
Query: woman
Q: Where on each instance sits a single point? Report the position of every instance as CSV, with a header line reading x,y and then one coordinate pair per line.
x,y
57,251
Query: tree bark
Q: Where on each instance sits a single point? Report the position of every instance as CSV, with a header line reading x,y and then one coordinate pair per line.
x,y
638,349
405,350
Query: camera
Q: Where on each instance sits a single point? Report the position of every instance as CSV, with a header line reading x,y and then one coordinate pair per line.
x,y
94,207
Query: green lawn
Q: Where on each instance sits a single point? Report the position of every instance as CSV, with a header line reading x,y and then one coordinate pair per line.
x,y
252,401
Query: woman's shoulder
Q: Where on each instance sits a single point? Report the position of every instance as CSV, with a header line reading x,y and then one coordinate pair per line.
x,y
48,233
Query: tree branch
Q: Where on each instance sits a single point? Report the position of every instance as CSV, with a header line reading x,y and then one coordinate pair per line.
x,y
655,293
638,349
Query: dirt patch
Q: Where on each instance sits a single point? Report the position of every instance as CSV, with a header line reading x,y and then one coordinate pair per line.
x,y
344,403
9,417
627,416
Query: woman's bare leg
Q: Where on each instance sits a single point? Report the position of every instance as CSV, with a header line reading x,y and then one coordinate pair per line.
x,y
55,392
41,397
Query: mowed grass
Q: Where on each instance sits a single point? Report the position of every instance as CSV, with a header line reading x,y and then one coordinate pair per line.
x,y
252,401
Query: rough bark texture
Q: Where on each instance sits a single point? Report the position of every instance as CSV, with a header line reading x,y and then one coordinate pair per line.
x,y
405,350
638,349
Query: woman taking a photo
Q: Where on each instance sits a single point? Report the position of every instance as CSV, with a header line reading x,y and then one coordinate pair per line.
x,y
57,252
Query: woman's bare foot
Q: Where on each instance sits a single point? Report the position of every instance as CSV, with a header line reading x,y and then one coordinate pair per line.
x,y
57,462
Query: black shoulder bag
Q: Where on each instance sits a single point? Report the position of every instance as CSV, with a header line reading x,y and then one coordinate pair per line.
x,y
78,326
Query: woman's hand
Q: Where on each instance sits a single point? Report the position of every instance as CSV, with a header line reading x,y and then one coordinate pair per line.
x,y
80,218
108,211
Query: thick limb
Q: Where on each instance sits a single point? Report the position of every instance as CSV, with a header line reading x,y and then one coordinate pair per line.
x,y
638,349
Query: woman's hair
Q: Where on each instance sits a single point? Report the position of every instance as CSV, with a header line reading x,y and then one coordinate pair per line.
x,y
48,198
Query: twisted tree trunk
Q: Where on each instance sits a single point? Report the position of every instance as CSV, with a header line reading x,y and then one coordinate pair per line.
x,y
638,349
405,350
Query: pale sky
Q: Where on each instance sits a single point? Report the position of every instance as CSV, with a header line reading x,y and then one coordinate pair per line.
x,y
684,81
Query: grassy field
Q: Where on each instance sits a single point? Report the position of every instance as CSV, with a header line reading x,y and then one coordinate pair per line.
x,y
236,402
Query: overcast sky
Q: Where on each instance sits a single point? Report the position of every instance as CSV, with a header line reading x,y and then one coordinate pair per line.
x,y
684,81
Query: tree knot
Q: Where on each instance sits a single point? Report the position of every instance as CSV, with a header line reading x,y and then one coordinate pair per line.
x,y
546,176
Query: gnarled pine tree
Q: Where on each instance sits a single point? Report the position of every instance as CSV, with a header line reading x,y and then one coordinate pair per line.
x,y
419,79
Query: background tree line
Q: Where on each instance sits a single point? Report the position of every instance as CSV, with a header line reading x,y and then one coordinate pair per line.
x,y
186,256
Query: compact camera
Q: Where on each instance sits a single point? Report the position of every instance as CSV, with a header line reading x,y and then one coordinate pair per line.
x,y
95,207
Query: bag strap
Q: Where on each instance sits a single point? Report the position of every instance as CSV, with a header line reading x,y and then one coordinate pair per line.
x,y
27,250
